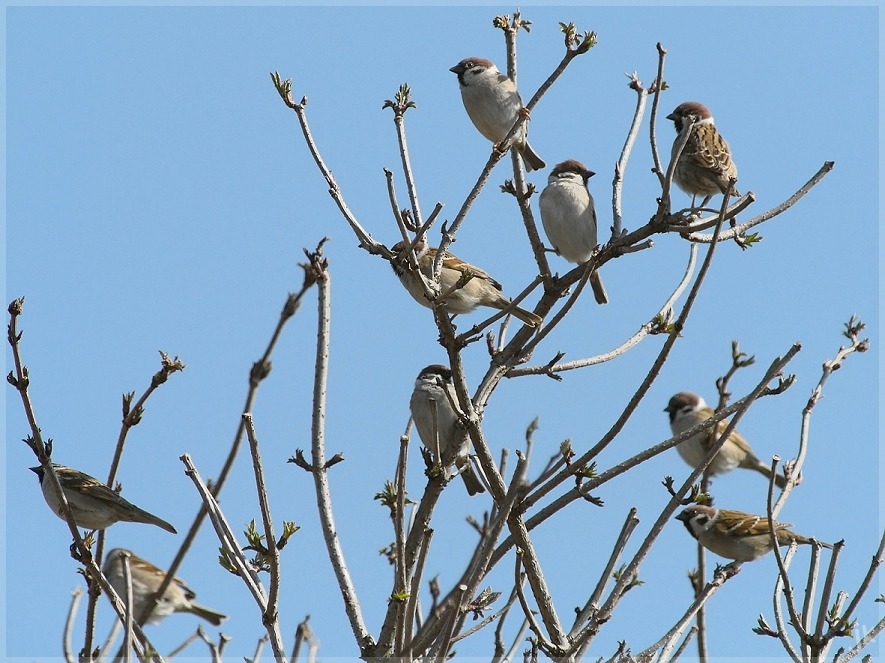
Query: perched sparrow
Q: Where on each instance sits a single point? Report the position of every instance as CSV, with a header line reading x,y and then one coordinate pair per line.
x,y
146,579
494,105
687,410
705,165
481,290
569,217
93,503
735,535
434,385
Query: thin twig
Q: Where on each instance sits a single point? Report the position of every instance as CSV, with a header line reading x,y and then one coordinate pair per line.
x,y
284,88
867,581
414,590
67,646
862,643
320,472
270,618
778,612
626,151
519,579
405,624
193,637
667,643
402,103
591,606
127,599
226,536
658,87
652,326
692,231
132,416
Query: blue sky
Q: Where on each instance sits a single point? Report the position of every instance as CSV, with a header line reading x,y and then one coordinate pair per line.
x,y
158,198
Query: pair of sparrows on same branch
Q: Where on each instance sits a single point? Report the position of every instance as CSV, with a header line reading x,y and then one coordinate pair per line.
x,y
732,534
567,208
96,506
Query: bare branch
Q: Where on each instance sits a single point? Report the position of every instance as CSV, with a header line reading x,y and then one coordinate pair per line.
x,y
284,88
593,602
621,165
271,617
403,102
233,553
692,231
68,649
318,458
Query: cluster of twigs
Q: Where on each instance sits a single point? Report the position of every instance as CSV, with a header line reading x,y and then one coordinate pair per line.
x,y
403,632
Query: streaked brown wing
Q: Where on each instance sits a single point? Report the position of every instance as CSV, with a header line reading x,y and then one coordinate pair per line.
x,y
85,485
736,524
451,262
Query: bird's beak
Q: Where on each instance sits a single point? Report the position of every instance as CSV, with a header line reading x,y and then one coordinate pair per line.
x,y
36,470
683,516
457,69
671,116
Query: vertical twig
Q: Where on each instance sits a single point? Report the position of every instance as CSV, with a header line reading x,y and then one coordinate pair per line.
x,y
621,165
404,625
318,457
271,617
401,103
67,646
127,631
593,602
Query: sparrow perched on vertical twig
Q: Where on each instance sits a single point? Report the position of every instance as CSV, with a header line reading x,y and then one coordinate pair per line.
x,y
705,165
480,290
493,105
569,217
735,535
687,410
146,580
434,390
93,504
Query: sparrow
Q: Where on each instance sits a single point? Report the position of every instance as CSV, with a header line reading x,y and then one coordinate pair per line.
x,y
93,503
735,535
687,410
434,386
569,217
146,580
493,105
705,165
480,290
